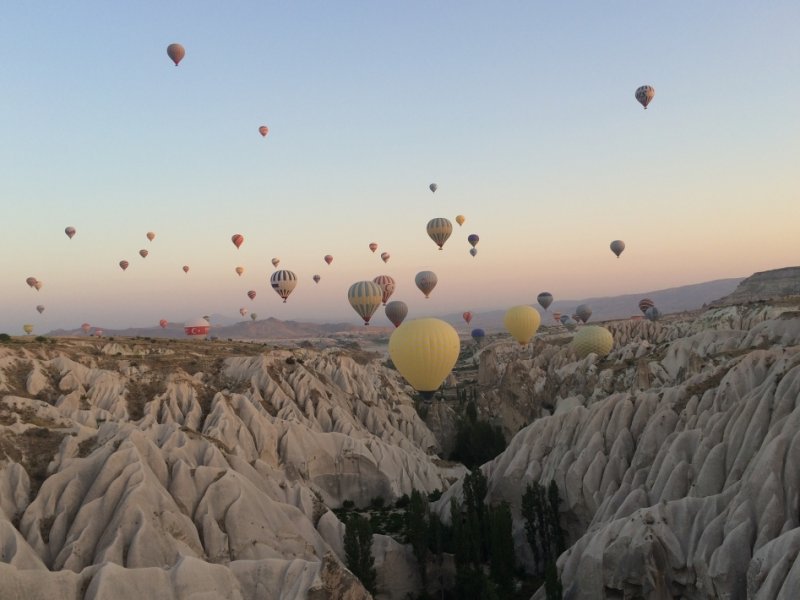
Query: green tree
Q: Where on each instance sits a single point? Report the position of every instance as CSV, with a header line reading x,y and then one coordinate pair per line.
x,y
552,583
417,530
502,558
358,551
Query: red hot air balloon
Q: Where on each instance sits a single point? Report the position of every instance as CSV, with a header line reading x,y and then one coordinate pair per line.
x,y
176,52
263,130
70,231
197,327
387,285
123,264
185,268
467,317
373,246
237,239
328,258
163,323
31,281
251,294
143,253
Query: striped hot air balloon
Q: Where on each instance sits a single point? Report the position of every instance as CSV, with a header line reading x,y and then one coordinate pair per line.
x,y
439,230
645,303
365,297
645,94
283,282
387,284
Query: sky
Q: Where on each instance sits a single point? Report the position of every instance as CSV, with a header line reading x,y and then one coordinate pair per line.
x,y
523,113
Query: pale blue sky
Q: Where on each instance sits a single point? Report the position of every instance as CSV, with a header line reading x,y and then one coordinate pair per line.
x,y
522,112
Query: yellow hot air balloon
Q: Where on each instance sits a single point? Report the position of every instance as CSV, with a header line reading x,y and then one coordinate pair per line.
x,y
424,351
460,219
593,338
27,328
522,322
365,297
239,271
439,230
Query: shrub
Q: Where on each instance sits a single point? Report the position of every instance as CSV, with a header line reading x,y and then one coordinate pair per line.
x,y
4,337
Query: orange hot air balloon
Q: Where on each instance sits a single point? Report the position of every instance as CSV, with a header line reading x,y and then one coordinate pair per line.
x,y
239,271
31,281
276,261
385,256
70,231
185,268
38,285
263,130
163,323
467,317
237,239
143,253
460,220
86,327
373,246
123,264
328,258
176,52
251,294
151,236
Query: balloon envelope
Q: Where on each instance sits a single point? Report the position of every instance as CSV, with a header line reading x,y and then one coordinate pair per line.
x,y
387,285
584,312
40,308
424,351
365,297
123,264
545,299
283,282
385,256
176,52
70,231
644,95
473,252
396,312
27,328
316,278
373,246
617,246
433,187
243,311
239,271
473,239
652,314
460,220
426,281
439,230
645,303
86,327
237,239
253,316
557,316
467,316
264,130
522,322
197,327
163,323
185,268
251,294
31,281
593,339
143,253
328,258
478,334
151,236
276,261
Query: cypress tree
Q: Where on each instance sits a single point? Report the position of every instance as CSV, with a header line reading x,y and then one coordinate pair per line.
x,y
552,583
503,560
358,551
417,528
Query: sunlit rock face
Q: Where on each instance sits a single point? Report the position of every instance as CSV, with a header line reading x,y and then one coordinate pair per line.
x,y
676,456
178,470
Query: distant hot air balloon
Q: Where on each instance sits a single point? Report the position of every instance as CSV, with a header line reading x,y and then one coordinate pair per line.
x,y
253,316
593,339
143,253
373,246
652,314
473,252
243,311
545,299
575,317
86,327
276,261
439,230
396,312
473,239
150,235
584,312
478,335
424,351
557,317
98,333
564,318
644,94
31,281
460,220
316,278
40,308
328,258
283,282
522,322
426,281
365,297
163,323
27,328
176,52
263,130
433,187
617,246
123,264
571,324
385,256
239,271
251,294
387,285
237,239
467,316
645,303
38,285
197,327
70,231
185,268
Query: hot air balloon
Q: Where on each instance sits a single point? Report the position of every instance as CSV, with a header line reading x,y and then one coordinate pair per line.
x,y
593,339
38,285
185,268
316,278
396,312
275,262
373,246
439,230
387,284
251,294
564,318
584,312
283,282
473,252
652,314
645,303
197,327
385,256
70,231
239,271
467,316
426,281
40,308
644,94
31,281
575,317
27,328
163,323
571,324
237,239
243,311
176,52
545,299
328,258
150,235
433,187
98,333
86,327
478,335
522,322
617,246
263,130
557,317
365,297
473,239
143,253
424,351
253,316
460,220
123,264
